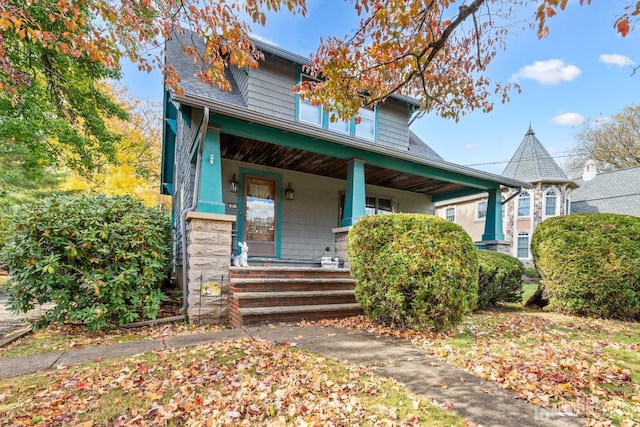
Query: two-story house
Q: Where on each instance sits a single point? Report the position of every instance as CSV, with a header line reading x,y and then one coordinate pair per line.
x,y
523,209
260,165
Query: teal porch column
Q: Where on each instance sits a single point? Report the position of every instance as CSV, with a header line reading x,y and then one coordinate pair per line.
x,y
355,197
493,221
210,188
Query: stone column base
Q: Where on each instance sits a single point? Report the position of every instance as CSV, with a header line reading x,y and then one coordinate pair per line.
x,y
340,235
502,246
208,261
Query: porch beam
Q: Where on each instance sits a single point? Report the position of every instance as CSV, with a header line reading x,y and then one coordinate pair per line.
x,y
382,157
493,221
210,188
355,197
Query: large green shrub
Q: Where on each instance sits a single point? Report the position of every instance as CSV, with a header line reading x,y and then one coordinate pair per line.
x,y
413,271
590,264
499,279
100,260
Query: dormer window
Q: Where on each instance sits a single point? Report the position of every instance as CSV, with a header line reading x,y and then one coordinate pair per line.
x,y
364,126
310,113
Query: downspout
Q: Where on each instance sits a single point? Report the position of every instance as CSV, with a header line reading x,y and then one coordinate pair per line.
x,y
512,196
194,203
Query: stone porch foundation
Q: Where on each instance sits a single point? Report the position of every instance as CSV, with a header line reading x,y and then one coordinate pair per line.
x,y
208,263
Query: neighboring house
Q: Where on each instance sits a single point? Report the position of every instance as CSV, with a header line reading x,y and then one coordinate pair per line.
x,y
259,164
524,209
607,192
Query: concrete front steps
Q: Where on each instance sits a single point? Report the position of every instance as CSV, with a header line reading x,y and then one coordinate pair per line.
x,y
263,295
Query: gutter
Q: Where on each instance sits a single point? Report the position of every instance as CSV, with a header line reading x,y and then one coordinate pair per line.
x,y
194,203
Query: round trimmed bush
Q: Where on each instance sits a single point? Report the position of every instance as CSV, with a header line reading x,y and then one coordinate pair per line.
x,y
499,279
101,260
590,264
412,270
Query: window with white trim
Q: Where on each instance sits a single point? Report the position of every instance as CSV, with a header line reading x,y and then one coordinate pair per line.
x,y
551,202
450,213
523,245
481,210
567,205
524,204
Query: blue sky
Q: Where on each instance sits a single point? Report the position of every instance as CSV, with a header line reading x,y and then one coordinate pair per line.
x,y
581,71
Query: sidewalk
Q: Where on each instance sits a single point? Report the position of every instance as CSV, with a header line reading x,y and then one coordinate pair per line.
x,y
479,401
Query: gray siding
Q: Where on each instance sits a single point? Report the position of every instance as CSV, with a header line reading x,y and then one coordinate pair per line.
x,y
184,175
270,89
393,127
242,80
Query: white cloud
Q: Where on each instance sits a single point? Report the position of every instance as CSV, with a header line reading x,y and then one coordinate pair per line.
x,y
615,59
601,121
568,119
470,146
550,72
263,39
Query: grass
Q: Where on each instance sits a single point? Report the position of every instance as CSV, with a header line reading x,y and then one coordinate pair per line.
x,y
252,382
67,337
529,289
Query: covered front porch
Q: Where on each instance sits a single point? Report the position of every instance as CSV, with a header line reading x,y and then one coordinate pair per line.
x,y
244,171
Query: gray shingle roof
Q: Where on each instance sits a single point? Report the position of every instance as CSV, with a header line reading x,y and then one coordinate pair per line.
x,y
609,192
187,70
417,145
532,162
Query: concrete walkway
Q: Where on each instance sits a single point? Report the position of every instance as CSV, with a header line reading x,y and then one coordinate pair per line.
x,y
479,401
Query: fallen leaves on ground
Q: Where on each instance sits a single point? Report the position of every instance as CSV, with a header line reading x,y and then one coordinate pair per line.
x,y
240,382
60,337
573,365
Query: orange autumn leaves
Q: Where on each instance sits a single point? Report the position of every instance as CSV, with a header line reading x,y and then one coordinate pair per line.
x,y
561,363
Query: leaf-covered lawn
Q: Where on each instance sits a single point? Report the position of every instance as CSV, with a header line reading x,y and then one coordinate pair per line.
x,y
240,382
589,367
58,337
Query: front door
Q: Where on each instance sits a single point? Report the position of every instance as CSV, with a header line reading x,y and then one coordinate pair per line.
x,y
260,208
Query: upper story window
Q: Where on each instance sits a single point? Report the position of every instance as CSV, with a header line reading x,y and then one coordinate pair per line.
x,y
363,126
310,113
366,127
524,204
481,209
338,124
551,203
450,214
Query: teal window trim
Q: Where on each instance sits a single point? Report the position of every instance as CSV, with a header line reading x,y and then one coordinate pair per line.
x,y
325,119
279,200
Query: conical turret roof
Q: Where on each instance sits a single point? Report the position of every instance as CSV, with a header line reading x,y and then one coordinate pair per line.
x,y
532,162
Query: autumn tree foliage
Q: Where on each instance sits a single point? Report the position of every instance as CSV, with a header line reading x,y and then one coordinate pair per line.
x,y
434,50
613,144
135,169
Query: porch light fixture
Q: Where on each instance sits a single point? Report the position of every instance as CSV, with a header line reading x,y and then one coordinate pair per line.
x,y
233,185
288,192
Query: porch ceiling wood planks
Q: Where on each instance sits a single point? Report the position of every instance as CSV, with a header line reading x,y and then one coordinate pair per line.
x,y
278,156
